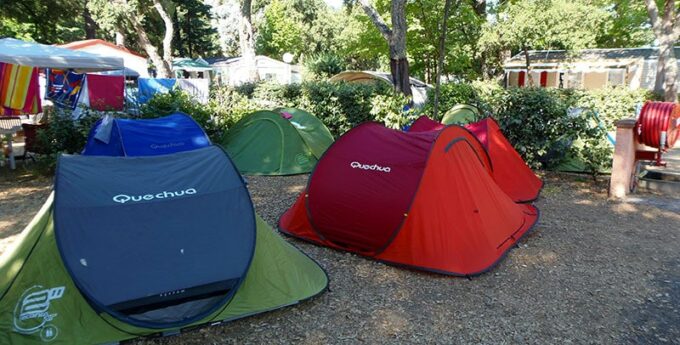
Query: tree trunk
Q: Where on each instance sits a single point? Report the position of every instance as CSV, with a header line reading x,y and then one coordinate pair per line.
x,y
396,40
90,24
179,46
440,60
398,60
660,74
167,38
530,79
162,69
670,69
666,30
247,40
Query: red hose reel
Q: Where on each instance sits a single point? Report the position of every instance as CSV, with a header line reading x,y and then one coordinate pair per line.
x,y
657,127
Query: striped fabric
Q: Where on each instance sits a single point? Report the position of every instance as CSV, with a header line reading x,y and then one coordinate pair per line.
x,y
19,90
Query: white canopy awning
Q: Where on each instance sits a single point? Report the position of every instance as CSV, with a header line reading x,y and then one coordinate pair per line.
x,y
40,55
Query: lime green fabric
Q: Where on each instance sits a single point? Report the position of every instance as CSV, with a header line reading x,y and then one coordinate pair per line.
x,y
264,143
460,114
35,285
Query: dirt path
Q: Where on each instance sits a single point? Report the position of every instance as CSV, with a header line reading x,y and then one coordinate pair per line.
x,y
21,196
592,272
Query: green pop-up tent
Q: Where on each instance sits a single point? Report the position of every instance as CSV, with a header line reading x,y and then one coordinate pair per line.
x,y
136,246
460,114
284,141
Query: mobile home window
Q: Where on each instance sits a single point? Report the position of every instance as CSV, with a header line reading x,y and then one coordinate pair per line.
x,y
616,77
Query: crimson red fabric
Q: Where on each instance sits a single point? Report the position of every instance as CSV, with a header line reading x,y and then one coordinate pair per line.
x,y
437,208
106,92
544,79
375,173
424,124
520,78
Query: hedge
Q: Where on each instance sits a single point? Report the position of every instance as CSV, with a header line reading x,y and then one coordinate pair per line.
x,y
535,120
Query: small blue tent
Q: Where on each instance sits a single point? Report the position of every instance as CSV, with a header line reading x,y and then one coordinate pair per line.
x,y
148,137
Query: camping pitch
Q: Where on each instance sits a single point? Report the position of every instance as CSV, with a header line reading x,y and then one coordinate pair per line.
x,y
507,167
424,200
133,246
285,141
145,137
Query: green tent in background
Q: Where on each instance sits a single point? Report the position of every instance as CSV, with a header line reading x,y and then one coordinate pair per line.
x,y
461,114
39,302
284,141
572,163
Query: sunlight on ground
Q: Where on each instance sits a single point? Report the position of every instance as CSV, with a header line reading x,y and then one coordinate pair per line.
x,y
390,322
624,208
583,202
295,189
542,257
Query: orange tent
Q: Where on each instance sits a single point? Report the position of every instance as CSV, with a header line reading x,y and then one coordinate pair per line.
x,y
425,200
509,170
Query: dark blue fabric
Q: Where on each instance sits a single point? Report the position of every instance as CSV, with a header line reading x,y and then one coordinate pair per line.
x,y
148,87
125,137
131,229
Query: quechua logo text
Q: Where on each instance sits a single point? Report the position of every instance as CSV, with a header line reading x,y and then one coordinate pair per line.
x,y
374,167
123,198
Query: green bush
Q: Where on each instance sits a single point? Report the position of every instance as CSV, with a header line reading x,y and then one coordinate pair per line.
x,y
341,106
283,95
246,89
228,106
451,94
534,120
323,66
612,103
163,104
62,135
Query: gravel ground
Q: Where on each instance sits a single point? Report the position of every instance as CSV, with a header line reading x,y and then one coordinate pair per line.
x,y
591,272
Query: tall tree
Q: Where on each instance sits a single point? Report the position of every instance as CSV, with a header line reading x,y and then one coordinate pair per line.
x,y
90,24
133,15
627,24
530,24
666,29
114,14
396,41
42,21
194,34
226,19
440,60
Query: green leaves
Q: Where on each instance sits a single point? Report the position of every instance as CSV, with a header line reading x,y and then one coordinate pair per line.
x,y
545,24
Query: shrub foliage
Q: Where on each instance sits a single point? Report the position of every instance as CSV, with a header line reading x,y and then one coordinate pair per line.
x,y
538,122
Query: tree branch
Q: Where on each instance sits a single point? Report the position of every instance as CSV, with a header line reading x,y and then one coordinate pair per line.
x,y
376,19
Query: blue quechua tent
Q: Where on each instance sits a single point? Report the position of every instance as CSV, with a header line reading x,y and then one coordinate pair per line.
x,y
139,246
146,137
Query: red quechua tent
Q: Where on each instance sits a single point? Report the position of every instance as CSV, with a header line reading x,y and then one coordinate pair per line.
x,y
509,170
425,200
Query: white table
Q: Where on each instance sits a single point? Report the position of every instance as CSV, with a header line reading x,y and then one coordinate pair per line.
x,y
9,127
